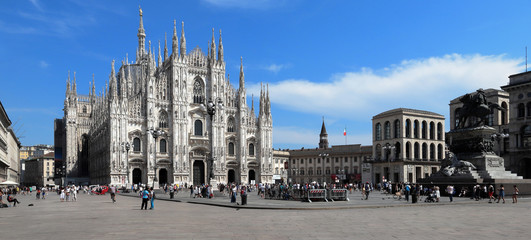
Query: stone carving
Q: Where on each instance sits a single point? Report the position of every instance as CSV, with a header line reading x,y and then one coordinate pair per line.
x,y
475,105
456,165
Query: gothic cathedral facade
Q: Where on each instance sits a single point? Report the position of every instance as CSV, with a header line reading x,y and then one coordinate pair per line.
x,y
109,136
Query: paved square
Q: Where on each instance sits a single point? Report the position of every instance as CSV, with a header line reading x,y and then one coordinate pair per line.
x,y
96,217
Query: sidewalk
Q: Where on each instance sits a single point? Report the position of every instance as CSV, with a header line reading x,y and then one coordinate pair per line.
x,y
376,200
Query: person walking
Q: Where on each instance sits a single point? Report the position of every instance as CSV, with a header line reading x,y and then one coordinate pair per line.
x,y
113,193
145,198
515,194
152,197
491,194
407,191
450,191
367,190
501,194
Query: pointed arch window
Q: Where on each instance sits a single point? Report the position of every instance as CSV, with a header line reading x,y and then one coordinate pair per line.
x,y
230,125
199,92
198,128
251,149
163,119
136,145
162,147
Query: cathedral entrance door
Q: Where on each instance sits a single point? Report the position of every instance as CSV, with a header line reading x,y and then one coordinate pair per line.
x,y
232,176
137,176
163,176
252,176
199,172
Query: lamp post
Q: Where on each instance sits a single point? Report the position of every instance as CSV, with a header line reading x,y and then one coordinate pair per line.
x,y
388,148
127,147
211,110
155,133
498,137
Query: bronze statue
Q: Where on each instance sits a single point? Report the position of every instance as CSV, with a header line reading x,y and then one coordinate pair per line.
x,y
475,105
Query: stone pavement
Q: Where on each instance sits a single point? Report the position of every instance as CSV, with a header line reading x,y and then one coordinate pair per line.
x,y
96,217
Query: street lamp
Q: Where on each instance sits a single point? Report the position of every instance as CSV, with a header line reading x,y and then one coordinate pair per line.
x,y
127,147
211,110
155,133
498,137
388,148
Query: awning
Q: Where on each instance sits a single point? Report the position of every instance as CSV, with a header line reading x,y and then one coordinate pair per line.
x,y
8,183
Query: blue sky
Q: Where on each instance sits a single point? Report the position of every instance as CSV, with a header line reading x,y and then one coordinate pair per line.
x,y
344,60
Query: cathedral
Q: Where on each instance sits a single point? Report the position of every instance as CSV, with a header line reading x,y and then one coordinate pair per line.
x,y
167,118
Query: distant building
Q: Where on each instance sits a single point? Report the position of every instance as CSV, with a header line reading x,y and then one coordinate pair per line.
x,y
408,145
280,164
9,150
519,89
29,152
338,164
40,171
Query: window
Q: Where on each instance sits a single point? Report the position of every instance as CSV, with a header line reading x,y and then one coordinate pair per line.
x,y
231,148
439,131
378,152
397,129
319,172
417,150
84,109
198,128
346,159
416,129
163,119
457,115
337,160
162,146
198,91
424,129
310,171
432,151
346,170
387,130
408,128
327,160
251,149
408,150
301,172
504,113
310,160
318,160
521,110
432,131
327,171
302,161
529,109
489,119
440,152
230,125
424,151
136,145
378,132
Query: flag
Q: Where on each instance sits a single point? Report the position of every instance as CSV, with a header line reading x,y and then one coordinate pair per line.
x,y
345,132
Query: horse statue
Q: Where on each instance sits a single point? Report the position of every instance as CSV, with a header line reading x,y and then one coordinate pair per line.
x,y
475,105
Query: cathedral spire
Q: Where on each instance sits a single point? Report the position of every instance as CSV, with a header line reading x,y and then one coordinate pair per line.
x,y
220,48
165,47
174,39
93,86
213,47
112,83
159,58
252,104
141,37
183,42
68,84
242,77
74,88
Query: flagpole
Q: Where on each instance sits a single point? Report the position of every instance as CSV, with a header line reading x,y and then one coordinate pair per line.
x,y
345,135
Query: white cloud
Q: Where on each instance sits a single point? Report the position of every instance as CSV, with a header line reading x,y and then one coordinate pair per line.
x,y
36,4
43,64
275,68
251,4
427,84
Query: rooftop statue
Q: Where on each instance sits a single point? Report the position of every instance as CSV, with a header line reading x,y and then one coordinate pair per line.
x,y
475,105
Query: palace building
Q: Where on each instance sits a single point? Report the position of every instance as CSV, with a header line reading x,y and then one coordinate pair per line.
x,y
153,122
